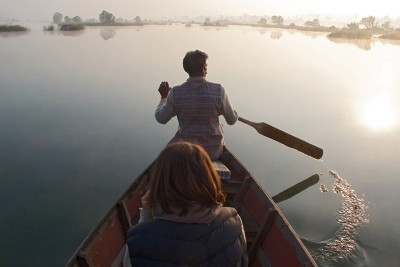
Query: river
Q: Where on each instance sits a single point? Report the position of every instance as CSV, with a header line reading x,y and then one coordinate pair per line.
x,y
77,125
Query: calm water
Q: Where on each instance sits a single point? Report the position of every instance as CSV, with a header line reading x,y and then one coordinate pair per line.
x,y
77,125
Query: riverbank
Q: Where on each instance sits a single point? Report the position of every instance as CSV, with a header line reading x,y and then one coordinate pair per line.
x,y
391,36
366,34
333,32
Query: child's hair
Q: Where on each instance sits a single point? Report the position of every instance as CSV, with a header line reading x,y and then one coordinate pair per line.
x,y
184,175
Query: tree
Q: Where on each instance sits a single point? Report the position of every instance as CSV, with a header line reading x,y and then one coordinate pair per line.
x,y
262,22
76,19
207,21
67,19
137,20
314,23
353,26
106,17
277,20
57,18
386,25
369,22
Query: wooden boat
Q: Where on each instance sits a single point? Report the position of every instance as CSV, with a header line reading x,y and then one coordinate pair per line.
x,y
270,238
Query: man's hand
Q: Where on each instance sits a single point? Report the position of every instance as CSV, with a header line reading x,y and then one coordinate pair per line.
x,y
164,89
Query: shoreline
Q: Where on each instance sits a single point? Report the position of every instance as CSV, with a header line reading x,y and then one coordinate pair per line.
x,y
333,32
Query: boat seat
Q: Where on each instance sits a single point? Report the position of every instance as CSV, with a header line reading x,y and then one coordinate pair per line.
x,y
222,170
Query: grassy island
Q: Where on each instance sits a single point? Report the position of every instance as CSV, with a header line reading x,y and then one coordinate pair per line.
x,y
12,28
391,36
351,34
71,27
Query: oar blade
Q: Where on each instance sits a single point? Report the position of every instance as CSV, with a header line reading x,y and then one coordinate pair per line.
x,y
297,188
285,138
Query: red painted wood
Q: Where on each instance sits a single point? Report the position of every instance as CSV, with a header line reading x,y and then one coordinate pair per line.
x,y
133,203
278,249
107,244
255,207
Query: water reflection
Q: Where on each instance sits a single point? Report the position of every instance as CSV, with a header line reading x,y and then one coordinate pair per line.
x,y
49,32
13,34
312,34
72,33
379,113
262,31
391,42
107,33
378,110
94,137
364,44
350,217
276,34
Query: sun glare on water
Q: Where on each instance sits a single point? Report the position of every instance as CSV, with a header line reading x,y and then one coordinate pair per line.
x,y
379,114
378,110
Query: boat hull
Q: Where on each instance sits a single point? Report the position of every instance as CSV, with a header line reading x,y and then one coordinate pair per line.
x,y
270,238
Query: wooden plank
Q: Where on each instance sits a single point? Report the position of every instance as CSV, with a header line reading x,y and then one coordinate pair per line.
x,y
124,216
271,242
280,252
255,207
231,186
261,235
106,244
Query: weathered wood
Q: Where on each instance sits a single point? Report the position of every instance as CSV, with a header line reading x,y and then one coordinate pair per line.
x,y
270,238
285,138
261,235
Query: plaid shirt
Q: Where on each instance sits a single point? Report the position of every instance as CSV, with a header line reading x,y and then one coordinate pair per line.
x,y
198,104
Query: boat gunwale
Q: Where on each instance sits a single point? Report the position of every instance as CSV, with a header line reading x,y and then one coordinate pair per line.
x,y
233,163
114,208
286,228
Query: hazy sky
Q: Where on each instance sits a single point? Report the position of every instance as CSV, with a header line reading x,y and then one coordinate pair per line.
x,y
44,9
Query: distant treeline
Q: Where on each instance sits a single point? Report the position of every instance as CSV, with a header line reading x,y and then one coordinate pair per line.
x,y
12,28
366,28
105,18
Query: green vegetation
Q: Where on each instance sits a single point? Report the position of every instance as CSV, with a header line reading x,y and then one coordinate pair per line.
x,y
12,28
369,22
49,28
370,29
217,23
351,34
278,20
106,17
57,17
365,29
315,29
391,36
71,27
312,23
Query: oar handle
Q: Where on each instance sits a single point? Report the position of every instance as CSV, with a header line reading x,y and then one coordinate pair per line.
x,y
245,121
285,138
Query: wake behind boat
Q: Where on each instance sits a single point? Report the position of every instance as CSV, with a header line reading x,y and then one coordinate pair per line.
x,y
271,241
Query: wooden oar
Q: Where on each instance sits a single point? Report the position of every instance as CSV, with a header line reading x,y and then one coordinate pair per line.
x,y
285,138
295,189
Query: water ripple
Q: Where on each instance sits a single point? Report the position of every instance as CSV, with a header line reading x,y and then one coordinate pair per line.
x,y
350,216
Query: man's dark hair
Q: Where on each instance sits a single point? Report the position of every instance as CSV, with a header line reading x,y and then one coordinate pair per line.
x,y
194,61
